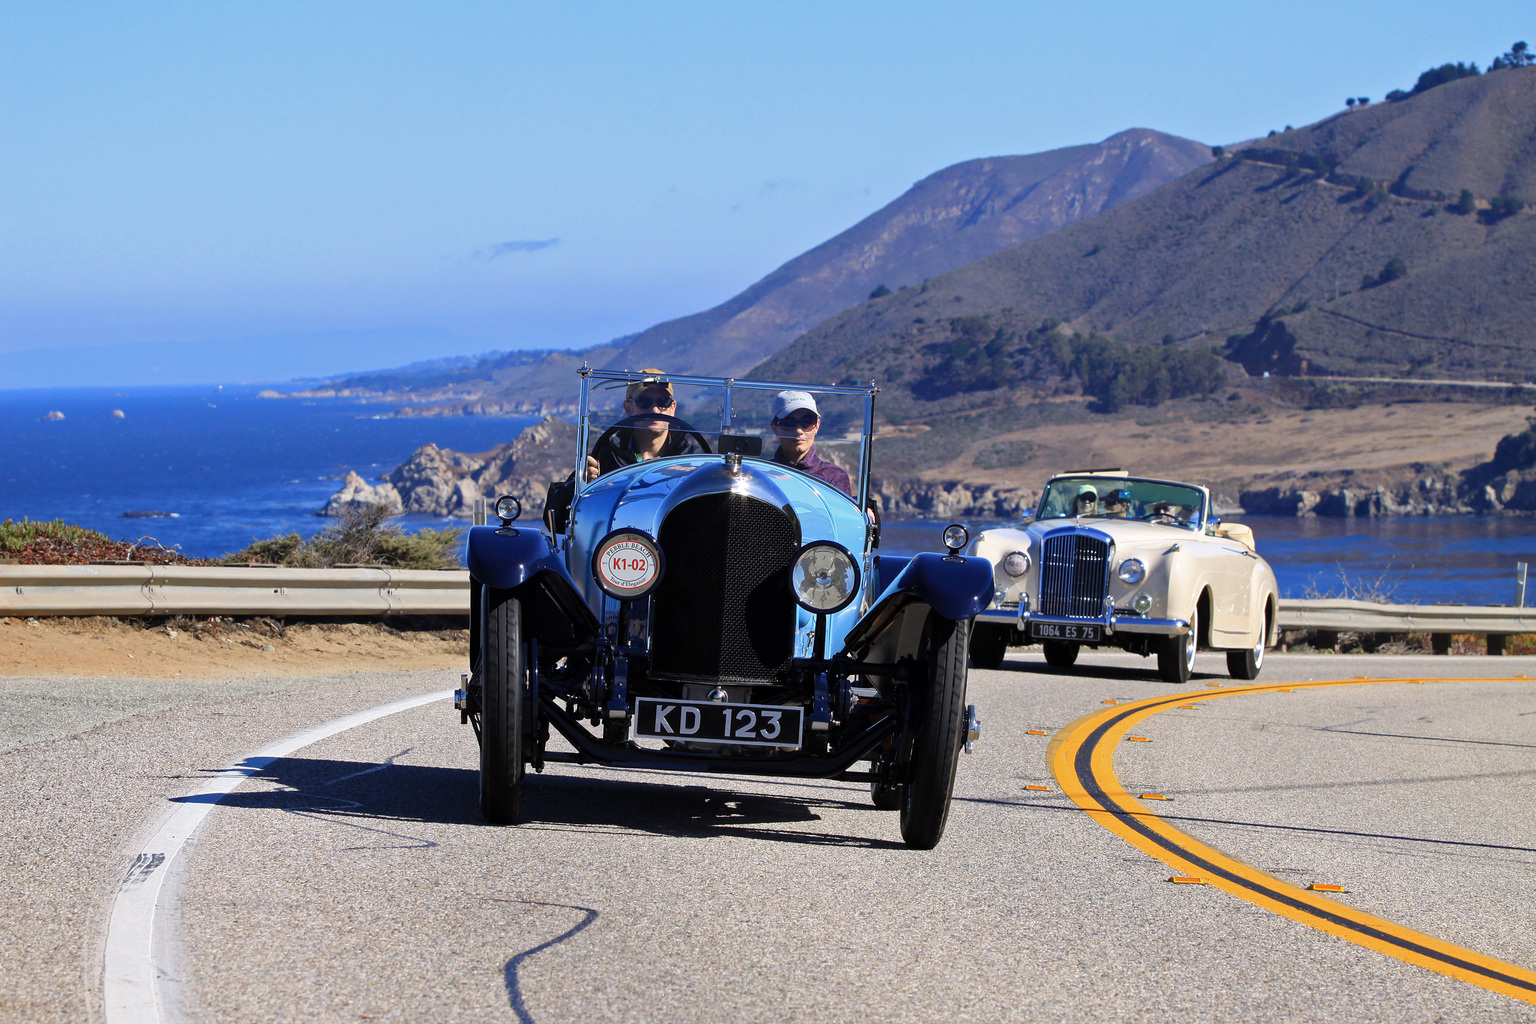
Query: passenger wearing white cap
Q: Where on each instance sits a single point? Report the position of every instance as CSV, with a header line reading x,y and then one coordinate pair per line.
x,y
795,422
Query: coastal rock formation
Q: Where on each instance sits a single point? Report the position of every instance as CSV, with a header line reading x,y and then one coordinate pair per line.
x,y
442,482
355,491
950,499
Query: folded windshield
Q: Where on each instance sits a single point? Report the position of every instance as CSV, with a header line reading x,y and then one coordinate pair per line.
x,y
636,417
1119,497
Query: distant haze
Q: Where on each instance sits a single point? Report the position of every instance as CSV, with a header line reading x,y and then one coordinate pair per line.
x,y
254,360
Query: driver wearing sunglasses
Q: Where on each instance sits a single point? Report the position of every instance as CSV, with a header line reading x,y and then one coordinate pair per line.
x,y
645,438
795,422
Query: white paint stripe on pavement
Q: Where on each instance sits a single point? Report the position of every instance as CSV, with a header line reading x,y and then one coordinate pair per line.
x,y
131,978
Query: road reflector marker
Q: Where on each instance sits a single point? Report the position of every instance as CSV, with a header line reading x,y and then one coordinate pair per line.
x,y
1036,732
1186,879
1362,677
1138,739
1285,689
1420,682
1186,707
1041,789
1109,702
1152,796
1326,887
1212,684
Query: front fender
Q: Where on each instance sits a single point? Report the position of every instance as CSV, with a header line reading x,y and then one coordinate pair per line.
x,y
954,586
507,557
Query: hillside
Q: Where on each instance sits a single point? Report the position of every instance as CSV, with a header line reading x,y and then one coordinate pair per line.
x,y
1270,248
948,219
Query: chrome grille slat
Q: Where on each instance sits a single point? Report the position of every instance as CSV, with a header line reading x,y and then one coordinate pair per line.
x,y
1074,575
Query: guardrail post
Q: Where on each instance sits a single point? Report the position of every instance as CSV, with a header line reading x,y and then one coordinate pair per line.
x,y
1325,639
1440,643
1496,643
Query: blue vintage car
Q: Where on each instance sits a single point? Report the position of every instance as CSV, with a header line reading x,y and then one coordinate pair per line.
x,y
711,609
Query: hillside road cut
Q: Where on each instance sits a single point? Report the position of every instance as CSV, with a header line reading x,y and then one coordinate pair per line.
x,y
351,878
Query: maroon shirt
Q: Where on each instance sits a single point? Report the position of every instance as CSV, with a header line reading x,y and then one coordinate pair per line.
x,y
818,467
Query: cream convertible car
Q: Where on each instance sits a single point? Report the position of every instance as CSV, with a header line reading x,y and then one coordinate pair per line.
x,y
1114,560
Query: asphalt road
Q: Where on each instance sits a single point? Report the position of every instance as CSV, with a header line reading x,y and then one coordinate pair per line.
x,y
354,880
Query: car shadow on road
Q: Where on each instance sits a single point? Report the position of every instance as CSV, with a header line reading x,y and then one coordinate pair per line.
x,y
629,803
1146,674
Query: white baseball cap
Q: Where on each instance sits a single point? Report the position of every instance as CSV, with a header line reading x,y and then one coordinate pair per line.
x,y
786,402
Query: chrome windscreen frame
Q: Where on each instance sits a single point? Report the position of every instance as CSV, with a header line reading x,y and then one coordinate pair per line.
x,y
591,375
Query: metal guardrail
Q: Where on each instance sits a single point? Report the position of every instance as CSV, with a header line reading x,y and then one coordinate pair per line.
x,y
43,590
1366,617
34,590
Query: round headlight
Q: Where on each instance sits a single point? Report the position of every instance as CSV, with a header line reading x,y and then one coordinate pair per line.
x,y
825,578
627,564
507,508
956,536
1132,571
1015,563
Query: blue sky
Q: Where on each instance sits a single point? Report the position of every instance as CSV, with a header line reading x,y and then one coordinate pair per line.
x,y
540,174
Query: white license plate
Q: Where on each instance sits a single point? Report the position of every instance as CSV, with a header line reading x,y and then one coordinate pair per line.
x,y
702,721
1064,631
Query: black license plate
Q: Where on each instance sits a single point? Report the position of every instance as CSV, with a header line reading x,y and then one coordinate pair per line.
x,y
702,721
1065,631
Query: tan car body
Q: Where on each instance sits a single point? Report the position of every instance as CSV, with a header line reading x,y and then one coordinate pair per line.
x,y
1201,572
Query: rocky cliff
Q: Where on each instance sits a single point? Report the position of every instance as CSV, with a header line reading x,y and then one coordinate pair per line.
x,y
441,482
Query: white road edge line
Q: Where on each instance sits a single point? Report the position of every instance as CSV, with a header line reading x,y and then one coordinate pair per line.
x,y
131,977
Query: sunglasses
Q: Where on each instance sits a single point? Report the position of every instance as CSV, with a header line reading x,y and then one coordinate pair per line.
x,y
805,422
652,404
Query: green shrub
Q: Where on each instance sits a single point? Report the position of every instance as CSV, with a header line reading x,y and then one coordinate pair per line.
x,y
14,536
1502,206
880,292
362,535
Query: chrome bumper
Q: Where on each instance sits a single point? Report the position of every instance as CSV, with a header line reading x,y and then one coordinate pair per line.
x,y
1111,622
1019,614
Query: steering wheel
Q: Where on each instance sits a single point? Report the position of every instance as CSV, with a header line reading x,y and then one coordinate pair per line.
x,y
682,426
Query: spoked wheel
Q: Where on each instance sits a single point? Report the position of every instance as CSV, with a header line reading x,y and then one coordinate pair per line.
x,y
1246,664
989,645
1176,654
940,734
501,716
1060,653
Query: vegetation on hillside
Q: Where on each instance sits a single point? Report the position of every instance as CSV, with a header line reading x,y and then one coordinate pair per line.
x,y
362,535
982,354
1517,56
55,542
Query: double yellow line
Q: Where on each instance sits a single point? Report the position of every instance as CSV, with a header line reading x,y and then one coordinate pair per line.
x,y
1081,757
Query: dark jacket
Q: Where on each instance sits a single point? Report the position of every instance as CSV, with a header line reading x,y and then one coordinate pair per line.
x,y
818,467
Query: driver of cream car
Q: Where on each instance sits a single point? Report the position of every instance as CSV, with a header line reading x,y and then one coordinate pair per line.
x,y
795,422
645,438
1086,503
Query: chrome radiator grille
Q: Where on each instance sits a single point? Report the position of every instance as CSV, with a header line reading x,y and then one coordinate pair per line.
x,y
1073,575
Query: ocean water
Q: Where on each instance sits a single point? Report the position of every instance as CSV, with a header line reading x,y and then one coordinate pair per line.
x,y
230,466
234,467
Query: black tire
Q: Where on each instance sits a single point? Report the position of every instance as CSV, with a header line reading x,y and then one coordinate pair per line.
x,y
1246,664
1060,653
887,796
989,645
1176,654
940,733
501,715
